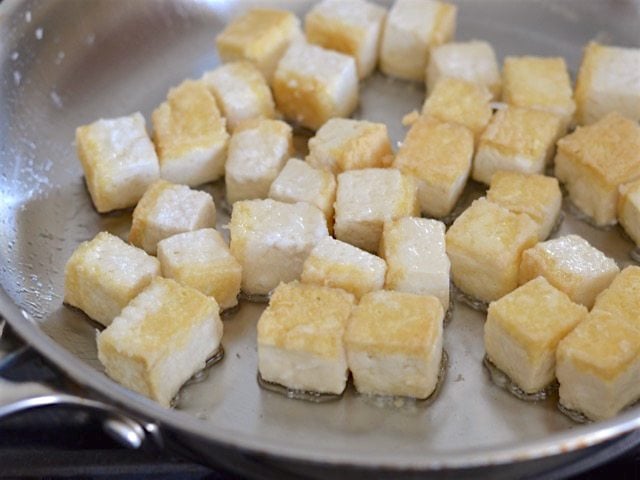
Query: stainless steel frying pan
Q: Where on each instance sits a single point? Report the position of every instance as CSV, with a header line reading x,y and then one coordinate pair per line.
x,y
67,63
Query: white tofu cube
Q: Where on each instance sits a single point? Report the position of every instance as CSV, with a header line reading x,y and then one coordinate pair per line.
x,y
271,240
454,100
485,246
394,344
201,259
516,140
367,198
166,209
104,274
300,338
258,150
598,366
523,330
313,84
622,297
241,92
353,27
629,209
345,144
541,83
336,264
439,156
595,160
163,337
260,36
417,261
571,265
300,182
118,160
411,29
535,195
474,61
190,135
608,81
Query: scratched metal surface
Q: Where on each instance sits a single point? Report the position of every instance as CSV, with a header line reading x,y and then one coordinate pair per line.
x,y
67,63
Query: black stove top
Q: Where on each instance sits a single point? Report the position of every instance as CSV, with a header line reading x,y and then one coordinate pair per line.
x,y
63,442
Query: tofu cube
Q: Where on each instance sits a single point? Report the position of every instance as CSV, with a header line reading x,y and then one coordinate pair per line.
x,y
201,259
523,330
258,150
535,195
598,366
516,140
629,209
417,261
454,100
345,144
271,240
260,36
571,265
608,82
473,61
313,84
622,297
394,344
190,135
336,264
595,160
353,27
241,92
104,274
300,182
541,83
166,209
411,29
367,198
163,337
300,338
118,160
485,246
439,156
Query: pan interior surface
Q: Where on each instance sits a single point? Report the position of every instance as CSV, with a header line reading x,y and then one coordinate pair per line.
x,y
68,63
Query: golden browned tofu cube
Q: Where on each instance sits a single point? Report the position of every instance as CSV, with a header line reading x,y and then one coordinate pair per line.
x,y
439,156
629,209
473,61
260,36
523,330
536,195
542,83
460,101
345,144
353,27
241,92
104,274
166,209
300,338
485,245
516,140
598,366
594,161
608,82
201,259
572,265
161,339
412,28
313,84
337,264
394,344
367,198
118,160
190,135
622,297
